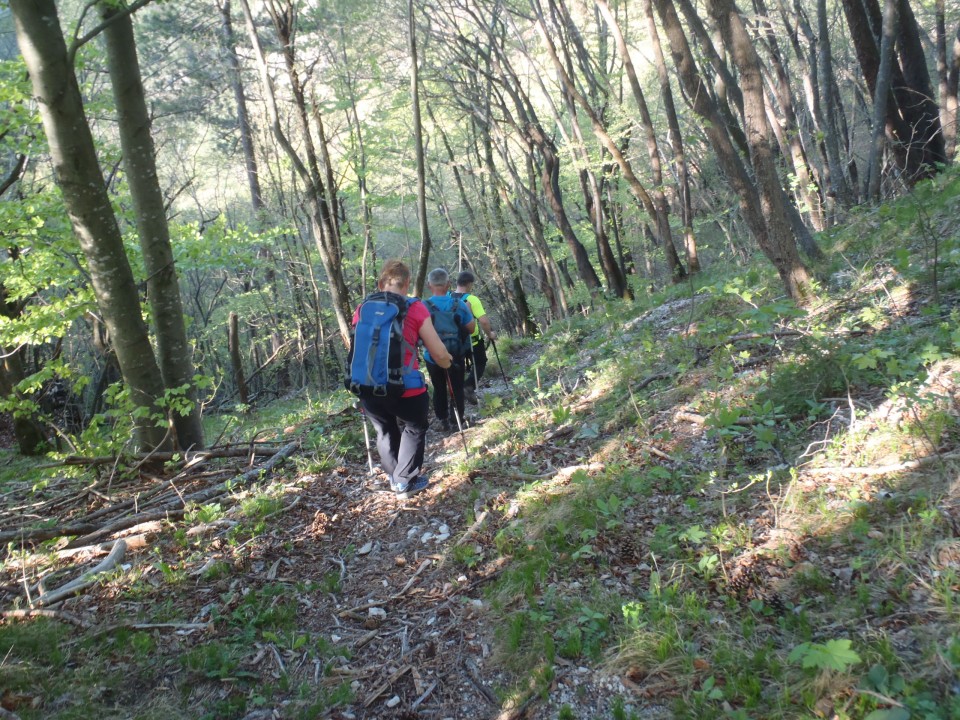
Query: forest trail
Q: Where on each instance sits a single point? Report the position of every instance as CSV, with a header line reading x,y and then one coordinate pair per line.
x,y
329,597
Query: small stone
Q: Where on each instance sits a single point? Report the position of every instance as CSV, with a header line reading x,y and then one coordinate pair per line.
x,y
377,612
365,549
393,702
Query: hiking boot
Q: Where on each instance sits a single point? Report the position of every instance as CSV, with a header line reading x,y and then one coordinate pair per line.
x,y
470,395
413,487
446,426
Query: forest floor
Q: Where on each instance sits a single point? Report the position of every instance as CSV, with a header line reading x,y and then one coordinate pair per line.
x,y
712,507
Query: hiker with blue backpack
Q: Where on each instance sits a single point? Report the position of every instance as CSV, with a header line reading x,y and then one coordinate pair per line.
x,y
383,371
453,322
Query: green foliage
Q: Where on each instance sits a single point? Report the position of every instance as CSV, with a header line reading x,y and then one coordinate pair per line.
x,y
833,655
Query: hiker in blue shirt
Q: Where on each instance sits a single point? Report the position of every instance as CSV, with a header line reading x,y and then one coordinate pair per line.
x,y
453,322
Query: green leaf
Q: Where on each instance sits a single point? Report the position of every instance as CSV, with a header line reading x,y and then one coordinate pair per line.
x,y
897,713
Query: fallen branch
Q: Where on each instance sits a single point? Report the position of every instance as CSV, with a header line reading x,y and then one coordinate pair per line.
x,y
52,614
880,469
86,580
384,686
470,670
472,529
352,612
149,626
186,457
175,509
87,533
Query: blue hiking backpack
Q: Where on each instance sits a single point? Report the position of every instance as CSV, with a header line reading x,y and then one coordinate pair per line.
x,y
375,363
448,325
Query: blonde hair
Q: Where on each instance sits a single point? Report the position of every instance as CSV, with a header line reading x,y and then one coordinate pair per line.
x,y
395,272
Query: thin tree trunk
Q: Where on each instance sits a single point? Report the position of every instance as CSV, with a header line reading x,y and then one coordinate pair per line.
x,y
306,168
80,179
676,141
243,117
236,359
791,127
880,98
418,147
174,352
951,100
661,210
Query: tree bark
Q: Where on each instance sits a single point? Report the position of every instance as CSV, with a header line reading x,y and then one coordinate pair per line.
x,y
236,359
174,352
318,200
880,97
780,249
418,148
243,116
676,141
80,179
913,121
781,242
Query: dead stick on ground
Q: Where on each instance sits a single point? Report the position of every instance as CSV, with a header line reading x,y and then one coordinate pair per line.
x,y
469,669
52,614
879,469
91,532
472,529
424,696
396,596
150,626
382,688
86,580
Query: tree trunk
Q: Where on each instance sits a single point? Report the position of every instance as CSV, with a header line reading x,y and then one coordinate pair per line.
x,y
781,252
243,117
318,201
88,206
949,98
880,100
782,245
174,352
676,141
236,359
418,147
790,125
591,183
913,121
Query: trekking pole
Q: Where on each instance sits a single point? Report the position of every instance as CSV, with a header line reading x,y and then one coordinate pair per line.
x,y
497,353
456,413
366,436
473,367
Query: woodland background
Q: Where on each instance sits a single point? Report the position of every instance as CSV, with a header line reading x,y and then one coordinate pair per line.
x,y
264,157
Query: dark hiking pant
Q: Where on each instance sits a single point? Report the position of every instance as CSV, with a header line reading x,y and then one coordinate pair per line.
x,y
401,426
441,389
480,360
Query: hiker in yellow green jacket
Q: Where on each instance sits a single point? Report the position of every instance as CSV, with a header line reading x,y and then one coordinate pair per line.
x,y
483,329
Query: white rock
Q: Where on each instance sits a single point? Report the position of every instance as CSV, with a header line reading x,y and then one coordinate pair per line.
x,y
444,530
365,549
393,702
426,536
377,612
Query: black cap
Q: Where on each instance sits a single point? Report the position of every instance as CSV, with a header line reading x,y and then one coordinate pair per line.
x,y
465,278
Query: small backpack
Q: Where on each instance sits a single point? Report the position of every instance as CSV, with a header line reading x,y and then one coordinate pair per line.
x,y
375,363
448,326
